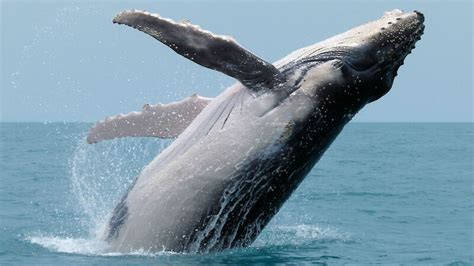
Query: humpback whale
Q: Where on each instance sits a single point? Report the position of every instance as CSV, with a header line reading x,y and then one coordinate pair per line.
x,y
239,156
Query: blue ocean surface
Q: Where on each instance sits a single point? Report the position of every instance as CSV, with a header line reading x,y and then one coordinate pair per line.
x,y
388,193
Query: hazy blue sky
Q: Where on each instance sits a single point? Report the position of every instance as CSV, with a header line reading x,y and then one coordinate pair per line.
x,y
66,61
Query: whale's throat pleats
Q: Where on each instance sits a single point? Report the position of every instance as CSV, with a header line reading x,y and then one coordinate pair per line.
x,y
221,53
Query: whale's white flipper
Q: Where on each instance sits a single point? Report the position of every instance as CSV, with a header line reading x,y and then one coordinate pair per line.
x,y
162,121
221,53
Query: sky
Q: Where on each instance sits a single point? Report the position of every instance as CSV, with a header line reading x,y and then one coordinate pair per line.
x,y
66,61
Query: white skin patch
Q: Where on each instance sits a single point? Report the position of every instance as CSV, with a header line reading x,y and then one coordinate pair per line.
x,y
292,80
320,75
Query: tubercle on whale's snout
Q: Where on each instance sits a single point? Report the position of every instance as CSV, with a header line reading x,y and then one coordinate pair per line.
x,y
421,16
399,38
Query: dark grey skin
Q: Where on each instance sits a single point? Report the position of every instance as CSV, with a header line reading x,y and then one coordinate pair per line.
x,y
222,180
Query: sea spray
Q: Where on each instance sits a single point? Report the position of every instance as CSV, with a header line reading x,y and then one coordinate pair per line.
x,y
101,173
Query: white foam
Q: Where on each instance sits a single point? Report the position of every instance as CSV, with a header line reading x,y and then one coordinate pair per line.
x,y
70,245
278,235
83,246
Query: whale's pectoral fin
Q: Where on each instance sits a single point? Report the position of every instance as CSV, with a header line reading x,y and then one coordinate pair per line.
x,y
217,52
162,121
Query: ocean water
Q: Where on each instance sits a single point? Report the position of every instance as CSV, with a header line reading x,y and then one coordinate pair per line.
x,y
387,193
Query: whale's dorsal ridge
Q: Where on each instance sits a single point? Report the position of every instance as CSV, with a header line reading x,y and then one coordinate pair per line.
x,y
218,52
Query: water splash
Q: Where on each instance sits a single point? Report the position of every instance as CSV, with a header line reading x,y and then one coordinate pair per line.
x,y
84,246
101,173
70,245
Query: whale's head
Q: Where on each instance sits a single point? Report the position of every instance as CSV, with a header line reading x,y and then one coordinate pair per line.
x,y
375,51
372,53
